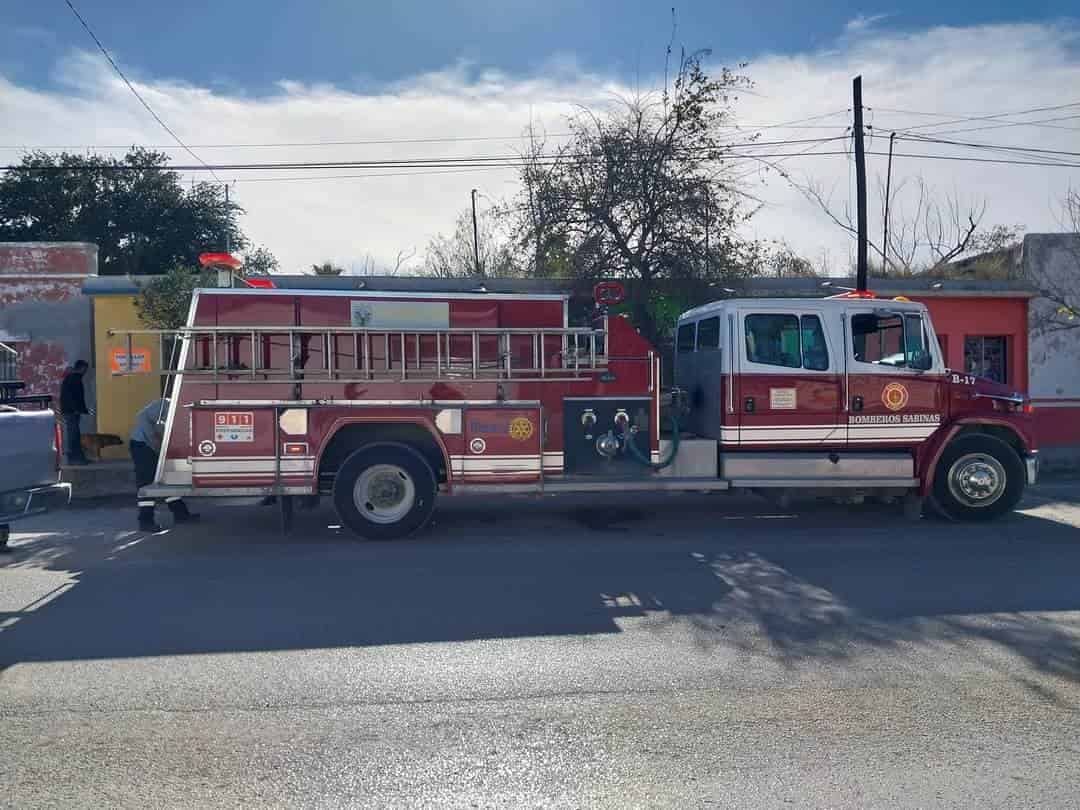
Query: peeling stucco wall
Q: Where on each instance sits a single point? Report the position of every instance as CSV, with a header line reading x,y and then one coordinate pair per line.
x,y
1054,366
1054,356
43,313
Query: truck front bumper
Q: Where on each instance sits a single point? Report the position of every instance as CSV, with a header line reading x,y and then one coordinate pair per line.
x,y
24,503
1031,466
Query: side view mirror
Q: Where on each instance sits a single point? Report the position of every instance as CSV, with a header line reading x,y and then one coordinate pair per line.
x,y
922,360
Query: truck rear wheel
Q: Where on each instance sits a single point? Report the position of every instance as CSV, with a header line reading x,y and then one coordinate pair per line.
x,y
979,477
384,491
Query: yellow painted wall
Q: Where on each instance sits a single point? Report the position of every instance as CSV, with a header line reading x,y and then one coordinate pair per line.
x,y
119,398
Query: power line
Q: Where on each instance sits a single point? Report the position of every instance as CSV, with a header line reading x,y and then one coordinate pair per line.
x,y
965,119
496,162
375,142
282,144
1043,122
998,147
419,173
977,116
131,87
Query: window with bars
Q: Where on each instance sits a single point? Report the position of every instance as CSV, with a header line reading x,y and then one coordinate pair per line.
x,y
987,356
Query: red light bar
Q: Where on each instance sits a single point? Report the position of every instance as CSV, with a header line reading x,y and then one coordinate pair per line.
x,y
260,283
220,260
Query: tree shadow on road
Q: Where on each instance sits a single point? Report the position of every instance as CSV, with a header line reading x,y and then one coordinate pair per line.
x,y
968,587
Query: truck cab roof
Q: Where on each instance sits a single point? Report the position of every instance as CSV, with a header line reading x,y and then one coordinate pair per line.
x,y
832,304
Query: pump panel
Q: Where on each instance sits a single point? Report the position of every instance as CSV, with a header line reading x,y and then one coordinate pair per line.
x,y
593,431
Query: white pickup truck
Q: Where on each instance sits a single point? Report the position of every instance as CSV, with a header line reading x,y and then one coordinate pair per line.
x,y
29,466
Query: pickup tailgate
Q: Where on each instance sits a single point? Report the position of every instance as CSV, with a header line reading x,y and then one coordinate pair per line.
x,y
27,450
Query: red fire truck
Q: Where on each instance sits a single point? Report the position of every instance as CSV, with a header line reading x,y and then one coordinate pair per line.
x,y
384,400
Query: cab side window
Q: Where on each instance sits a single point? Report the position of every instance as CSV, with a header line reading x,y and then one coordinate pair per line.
x,y
815,352
890,340
708,334
685,340
773,340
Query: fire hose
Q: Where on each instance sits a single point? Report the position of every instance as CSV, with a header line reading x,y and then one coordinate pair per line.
x,y
635,451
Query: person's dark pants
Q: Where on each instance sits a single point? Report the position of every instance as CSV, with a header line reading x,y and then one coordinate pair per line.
x,y
73,438
146,461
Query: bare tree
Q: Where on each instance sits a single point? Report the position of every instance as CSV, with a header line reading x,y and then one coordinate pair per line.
x,y
368,265
641,190
925,232
1058,278
453,256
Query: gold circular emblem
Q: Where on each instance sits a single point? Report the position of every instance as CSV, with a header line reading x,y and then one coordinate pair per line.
x,y
894,396
521,429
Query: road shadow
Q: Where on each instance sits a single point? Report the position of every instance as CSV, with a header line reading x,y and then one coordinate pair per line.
x,y
816,583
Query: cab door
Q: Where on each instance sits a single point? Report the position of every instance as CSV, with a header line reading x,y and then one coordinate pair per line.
x,y
895,378
788,382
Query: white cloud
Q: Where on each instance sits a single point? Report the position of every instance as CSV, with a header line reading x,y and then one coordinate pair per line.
x,y
861,22
976,70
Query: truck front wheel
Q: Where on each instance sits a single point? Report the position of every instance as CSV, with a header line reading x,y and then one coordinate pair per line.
x,y
978,477
384,491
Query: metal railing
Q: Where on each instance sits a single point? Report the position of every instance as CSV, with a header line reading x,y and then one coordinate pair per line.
x,y
361,354
9,364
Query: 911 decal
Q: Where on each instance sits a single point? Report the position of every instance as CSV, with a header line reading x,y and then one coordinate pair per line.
x,y
234,426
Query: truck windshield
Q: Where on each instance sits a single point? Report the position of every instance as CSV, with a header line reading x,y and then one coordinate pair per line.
x,y
889,340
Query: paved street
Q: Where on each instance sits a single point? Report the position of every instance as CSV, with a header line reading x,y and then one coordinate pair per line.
x,y
665,650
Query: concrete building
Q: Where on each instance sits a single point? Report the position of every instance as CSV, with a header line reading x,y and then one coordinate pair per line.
x,y
43,314
1051,262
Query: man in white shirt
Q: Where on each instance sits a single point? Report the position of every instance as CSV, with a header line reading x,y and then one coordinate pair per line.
x,y
145,446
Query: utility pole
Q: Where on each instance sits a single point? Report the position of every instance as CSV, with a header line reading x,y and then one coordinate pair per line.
x,y
860,186
885,237
225,274
228,238
475,234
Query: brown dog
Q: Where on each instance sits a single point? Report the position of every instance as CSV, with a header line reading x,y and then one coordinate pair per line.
x,y
94,443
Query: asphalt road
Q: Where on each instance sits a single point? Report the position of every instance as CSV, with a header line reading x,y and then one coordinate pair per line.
x,y
665,651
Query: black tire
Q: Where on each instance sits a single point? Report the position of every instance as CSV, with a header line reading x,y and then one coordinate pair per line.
x,y
384,491
978,477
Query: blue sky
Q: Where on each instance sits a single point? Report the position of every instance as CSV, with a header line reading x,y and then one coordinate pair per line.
x,y
248,45
230,72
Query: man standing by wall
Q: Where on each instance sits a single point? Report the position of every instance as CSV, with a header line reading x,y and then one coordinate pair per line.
x,y
145,446
72,408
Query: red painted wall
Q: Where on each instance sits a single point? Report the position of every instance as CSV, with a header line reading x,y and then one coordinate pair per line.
x,y
958,317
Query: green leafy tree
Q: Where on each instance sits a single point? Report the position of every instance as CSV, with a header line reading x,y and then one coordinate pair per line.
x,y
136,210
326,269
260,262
163,303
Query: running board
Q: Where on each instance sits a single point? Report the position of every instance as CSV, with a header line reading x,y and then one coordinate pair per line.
x,y
827,483
601,485
181,491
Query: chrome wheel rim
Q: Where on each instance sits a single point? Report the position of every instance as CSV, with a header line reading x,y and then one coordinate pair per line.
x,y
977,480
384,493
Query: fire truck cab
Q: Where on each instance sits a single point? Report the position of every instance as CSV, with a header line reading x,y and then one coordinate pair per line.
x,y
385,400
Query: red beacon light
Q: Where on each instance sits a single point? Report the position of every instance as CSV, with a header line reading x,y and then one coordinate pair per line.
x,y
226,261
220,260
